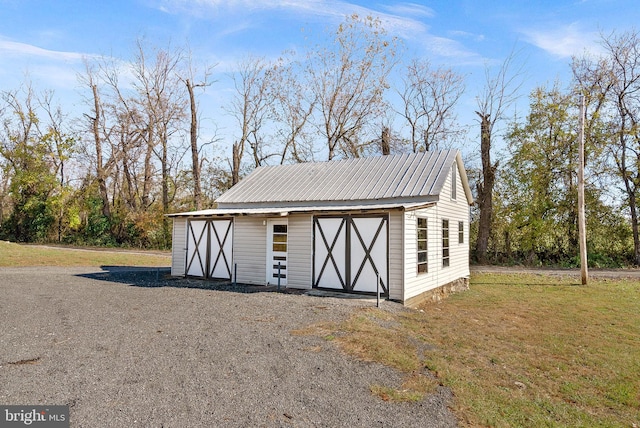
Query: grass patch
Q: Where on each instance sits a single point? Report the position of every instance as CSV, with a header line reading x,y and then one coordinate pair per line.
x,y
532,350
374,335
516,350
18,255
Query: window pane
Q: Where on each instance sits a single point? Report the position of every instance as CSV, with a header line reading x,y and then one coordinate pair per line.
x,y
279,238
422,233
445,243
422,268
282,248
453,182
422,223
422,257
280,228
282,267
422,245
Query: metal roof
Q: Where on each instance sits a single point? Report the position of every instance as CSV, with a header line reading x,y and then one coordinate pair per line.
x,y
364,180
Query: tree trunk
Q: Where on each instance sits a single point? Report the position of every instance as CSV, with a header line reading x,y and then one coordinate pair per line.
x,y
100,176
385,141
146,185
195,161
485,189
633,209
235,167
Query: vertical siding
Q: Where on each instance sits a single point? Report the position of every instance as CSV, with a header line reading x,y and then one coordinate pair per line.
x,y
250,249
300,249
178,246
453,210
396,256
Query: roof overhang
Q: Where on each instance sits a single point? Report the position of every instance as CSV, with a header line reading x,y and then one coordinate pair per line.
x,y
285,211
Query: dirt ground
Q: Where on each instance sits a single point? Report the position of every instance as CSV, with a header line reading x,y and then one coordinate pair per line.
x,y
126,347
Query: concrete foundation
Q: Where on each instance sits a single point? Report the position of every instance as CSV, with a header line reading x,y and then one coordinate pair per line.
x,y
437,294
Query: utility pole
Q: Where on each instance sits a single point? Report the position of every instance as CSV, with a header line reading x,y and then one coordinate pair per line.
x,y
582,227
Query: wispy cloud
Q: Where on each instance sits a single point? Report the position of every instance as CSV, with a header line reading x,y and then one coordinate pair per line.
x,y
401,20
9,47
467,35
410,9
563,41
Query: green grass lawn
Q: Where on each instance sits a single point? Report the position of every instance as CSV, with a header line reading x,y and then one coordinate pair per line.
x,y
516,350
16,255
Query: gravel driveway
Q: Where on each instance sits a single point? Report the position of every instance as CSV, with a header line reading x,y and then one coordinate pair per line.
x,y
123,350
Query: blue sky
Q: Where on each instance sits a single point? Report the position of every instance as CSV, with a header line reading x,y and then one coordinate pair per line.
x,y
48,39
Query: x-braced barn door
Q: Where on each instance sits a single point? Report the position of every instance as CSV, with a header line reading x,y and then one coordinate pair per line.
x,y
209,248
351,252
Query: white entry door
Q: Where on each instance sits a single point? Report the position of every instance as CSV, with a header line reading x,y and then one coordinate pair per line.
x,y
277,246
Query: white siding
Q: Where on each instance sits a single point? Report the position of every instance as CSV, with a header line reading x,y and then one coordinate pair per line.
x,y
300,251
250,249
396,256
446,209
178,246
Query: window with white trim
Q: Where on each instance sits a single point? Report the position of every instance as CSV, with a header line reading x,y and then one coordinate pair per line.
x,y
454,186
461,232
445,243
421,235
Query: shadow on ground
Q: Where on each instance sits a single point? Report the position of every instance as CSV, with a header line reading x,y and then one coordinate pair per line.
x,y
152,277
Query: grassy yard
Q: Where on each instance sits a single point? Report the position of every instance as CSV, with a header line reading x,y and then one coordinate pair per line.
x,y
516,350
16,255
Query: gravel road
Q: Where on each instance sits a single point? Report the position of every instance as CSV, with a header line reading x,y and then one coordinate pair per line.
x,y
133,347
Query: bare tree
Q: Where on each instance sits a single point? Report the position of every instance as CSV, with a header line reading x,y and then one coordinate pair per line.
x,y
349,79
250,107
292,106
429,97
500,92
192,83
163,104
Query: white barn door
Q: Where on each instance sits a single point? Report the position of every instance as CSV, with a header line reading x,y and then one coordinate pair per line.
x,y
220,248
209,248
329,252
351,252
197,240
368,253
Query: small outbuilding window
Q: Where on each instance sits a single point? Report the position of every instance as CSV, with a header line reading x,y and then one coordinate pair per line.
x,y
445,243
453,182
460,232
422,245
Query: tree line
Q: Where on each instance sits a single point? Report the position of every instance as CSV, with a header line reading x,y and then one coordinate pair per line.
x,y
108,175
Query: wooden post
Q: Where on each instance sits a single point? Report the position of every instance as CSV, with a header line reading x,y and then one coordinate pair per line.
x,y
582,227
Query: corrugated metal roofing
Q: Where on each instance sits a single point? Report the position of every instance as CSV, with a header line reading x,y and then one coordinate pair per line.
x,y
364,179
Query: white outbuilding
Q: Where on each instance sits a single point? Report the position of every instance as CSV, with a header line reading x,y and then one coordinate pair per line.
x,y
402,220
